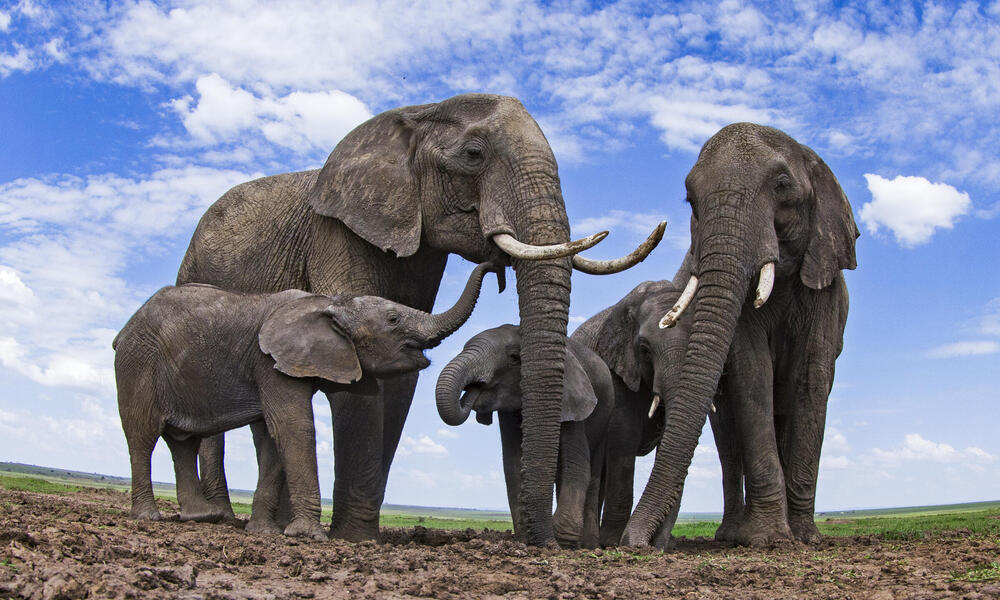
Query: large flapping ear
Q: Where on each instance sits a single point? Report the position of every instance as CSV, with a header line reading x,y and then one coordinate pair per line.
x,y
367,181
305,340
833,231
616,338
578,396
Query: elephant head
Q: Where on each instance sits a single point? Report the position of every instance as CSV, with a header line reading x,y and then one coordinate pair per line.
x,y
636,348
486,377
766,210
474,175
340,338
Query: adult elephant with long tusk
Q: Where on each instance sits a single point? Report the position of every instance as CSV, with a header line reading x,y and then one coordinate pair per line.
x,y
472,175
771,231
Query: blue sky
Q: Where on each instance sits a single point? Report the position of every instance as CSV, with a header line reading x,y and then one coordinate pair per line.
x,y
120,125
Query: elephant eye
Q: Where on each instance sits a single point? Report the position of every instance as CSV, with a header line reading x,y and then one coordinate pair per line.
x,y
782,182
515,358
474,153
392,318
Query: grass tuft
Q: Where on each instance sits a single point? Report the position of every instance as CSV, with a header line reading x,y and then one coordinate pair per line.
x,y
988,572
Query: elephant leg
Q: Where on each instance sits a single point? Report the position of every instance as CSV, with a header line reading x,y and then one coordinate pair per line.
x,y
804,379
727,443
214,486
194,506
366,432
287,407
622,444
510,442
140,450
592,507
572,483
271,487
749,383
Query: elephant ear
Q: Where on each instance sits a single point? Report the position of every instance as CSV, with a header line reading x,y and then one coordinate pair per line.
x,y
616,338
833,231
579,398
305,339
368,184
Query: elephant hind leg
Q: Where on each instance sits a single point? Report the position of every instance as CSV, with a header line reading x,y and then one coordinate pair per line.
x,y
271,510
140,451
194,506
214,487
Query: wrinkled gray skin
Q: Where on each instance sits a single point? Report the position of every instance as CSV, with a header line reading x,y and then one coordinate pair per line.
x,y
485,377
756,196
196,360
395,197
641,357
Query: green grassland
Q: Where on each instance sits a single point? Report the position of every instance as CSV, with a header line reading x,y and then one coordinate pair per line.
x,y
897,523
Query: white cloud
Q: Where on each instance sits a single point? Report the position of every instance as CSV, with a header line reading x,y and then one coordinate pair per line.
x,y
989,323
448,433
912,207
19,60
421,445
834,462
4,20
301,121
12,288
972,348
916,448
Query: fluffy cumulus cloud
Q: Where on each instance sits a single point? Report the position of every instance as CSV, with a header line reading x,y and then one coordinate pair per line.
x,y
301,121
422,444
912,207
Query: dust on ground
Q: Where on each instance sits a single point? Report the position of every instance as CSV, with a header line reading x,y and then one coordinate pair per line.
x,y
83,545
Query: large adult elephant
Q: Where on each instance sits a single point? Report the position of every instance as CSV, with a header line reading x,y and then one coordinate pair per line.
x,y
765,210
472,175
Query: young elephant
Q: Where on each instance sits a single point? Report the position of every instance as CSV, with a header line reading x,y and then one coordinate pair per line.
x,y
486,377
196,360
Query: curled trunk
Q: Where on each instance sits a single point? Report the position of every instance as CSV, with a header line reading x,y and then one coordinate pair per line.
x,y
466,368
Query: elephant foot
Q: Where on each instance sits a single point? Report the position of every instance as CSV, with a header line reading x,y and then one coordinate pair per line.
x,y
355,534
225,510
306,527
202,514
146,514
762,533
727,530
804,528
262,525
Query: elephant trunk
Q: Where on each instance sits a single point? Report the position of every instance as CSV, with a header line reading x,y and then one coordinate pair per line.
x,y
437,327
471,366
722,288
543,296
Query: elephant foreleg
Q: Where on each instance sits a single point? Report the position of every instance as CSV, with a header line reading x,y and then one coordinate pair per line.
x,y
572,483
727,444
214,487
510,443
272,489
749,383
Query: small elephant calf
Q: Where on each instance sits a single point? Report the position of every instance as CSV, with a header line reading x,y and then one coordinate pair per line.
x,y
196,360
486,377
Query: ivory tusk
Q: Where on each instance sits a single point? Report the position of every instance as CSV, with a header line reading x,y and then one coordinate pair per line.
x,y
713,407
607,267
653,405
764,285
670,319
516,249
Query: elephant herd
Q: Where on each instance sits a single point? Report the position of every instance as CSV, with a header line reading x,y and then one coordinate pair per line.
x,y
324,280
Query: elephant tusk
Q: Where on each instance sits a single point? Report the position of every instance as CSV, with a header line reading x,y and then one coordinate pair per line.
x,y
764,285
713,407
607,267
516,249
670,319
653,405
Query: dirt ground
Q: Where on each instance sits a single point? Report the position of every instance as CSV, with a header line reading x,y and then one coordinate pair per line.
x,y
83,545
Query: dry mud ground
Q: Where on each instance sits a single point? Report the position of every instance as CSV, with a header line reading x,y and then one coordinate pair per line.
x,y
83,545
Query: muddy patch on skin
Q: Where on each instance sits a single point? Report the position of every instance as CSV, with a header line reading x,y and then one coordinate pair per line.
x,y
83,545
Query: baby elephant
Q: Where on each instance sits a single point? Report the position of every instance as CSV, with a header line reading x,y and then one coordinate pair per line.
x,y
488,371
196,360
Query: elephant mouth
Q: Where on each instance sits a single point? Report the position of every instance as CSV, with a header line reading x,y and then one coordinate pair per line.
x,y
472,395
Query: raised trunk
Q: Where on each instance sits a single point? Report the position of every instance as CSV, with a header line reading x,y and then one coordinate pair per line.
x,y
437,327
721,293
